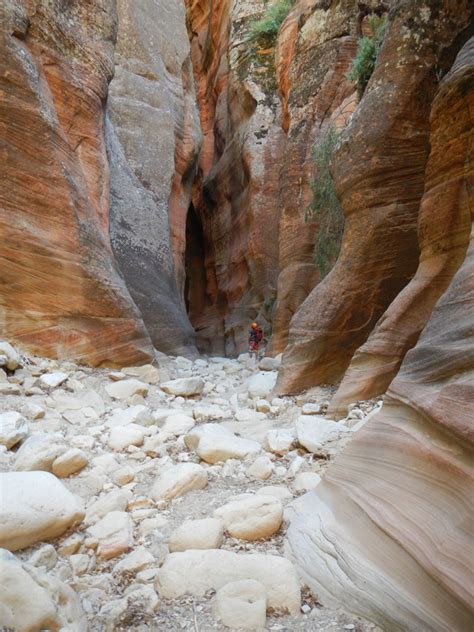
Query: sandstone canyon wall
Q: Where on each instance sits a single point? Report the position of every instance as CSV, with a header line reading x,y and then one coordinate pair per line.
x,y
379,170
263,105
387,530
61,291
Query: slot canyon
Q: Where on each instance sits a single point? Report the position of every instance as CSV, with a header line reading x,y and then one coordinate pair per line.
x,y
174,171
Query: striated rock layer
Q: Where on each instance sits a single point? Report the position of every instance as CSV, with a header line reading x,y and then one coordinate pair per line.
x,y
153,136
262,107
379,168
444,228
61,293
388,530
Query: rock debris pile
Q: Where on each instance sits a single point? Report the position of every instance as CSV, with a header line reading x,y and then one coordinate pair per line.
x,y
154,498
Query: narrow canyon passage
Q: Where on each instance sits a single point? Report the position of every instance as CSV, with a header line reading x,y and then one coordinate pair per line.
x,y
175,170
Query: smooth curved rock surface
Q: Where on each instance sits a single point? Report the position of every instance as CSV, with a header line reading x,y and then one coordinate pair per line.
x,y
378,167
444,228
153,136
33,600
62,294
36,506
388,528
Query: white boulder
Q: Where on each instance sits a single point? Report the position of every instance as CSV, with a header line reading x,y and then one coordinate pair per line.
x,y
33,600
114,534
185,387
280,440
146,373
251,517
116,500
132,415
178,480
314,432
123,436
126,388
261,469
39,451
178,424
195,572
197,534
52,380
261,384
13,428
241,604
304,481
11,357
209,412
35,506
214,443
270,364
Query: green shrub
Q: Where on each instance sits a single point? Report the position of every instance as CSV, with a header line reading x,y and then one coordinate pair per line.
x,y
368,49
325,207
268,26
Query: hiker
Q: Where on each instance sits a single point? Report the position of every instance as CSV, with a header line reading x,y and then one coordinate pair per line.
x,y
255,338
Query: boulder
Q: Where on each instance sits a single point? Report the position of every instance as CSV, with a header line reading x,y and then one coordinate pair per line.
x,y
35,506
13,428
315,432
116,500
251,517
304,481
208,412
126,388
270,364
33,600
11,357
70,462
178,424
214,443
114,534
132,415
146,373
241,604
178,480
261,468
197,534
280,440
39,452
261,384
134,562
196,572
52,380
184,387
123,436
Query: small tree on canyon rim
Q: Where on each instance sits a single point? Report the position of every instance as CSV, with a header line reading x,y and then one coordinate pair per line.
x,y
324,206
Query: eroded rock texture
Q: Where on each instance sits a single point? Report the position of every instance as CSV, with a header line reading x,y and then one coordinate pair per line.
x,y
61,292
379,169
387,530
444,228
262,108
153,138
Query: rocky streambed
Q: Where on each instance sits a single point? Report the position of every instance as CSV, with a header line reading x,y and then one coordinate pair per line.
x,y
155,498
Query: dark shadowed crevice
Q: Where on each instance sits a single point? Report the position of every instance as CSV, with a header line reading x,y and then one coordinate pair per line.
x,y
195,295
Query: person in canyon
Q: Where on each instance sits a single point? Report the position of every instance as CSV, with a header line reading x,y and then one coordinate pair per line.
x,y
255,339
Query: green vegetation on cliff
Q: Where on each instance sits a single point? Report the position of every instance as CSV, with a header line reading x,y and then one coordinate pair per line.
x,y
368,49
269,24
325,207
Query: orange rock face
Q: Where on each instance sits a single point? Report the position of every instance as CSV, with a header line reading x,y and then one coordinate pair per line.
x,y
386,532
379,169
61,292
256,163
443,233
